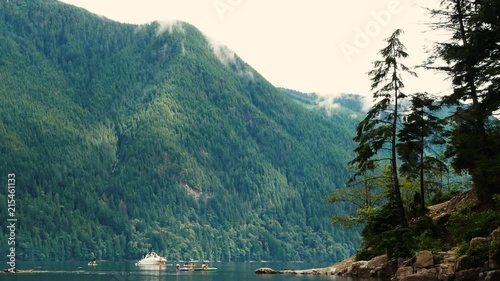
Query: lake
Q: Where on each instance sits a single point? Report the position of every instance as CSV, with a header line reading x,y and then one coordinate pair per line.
x,y
127,271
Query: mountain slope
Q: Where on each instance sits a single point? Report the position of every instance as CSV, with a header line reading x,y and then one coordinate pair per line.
x,y
127,138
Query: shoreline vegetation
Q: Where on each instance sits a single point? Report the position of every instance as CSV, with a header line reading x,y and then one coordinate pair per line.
x,y
479,263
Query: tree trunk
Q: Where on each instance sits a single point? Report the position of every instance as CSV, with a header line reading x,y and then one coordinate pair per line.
x,y
483,188
422,187
394,166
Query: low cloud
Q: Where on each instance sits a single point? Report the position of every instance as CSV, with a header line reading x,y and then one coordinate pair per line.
x,y
170,26
328,103
229,58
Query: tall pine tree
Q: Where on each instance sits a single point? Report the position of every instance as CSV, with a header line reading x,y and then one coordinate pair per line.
x,y
420,130
377,132
471,59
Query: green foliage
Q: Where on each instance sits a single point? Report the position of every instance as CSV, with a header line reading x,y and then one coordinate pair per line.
x,y
441,196
462,248
467,223
495,250
427,236
129,138
480,254
362,197
471,59
382,236
378,130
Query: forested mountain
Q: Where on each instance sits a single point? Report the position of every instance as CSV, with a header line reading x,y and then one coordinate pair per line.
x,y
128,138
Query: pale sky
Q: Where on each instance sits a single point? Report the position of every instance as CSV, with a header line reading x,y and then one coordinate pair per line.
x,y
322,46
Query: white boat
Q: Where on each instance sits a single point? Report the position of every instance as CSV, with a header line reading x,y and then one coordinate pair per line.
x,y
152,259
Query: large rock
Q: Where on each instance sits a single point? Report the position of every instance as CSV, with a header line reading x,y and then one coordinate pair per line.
x,y
377,261
424,259
464,263
423,275
404,272
266,270
495,234
446,271
360,269
477,242
388,269
468,275
494,263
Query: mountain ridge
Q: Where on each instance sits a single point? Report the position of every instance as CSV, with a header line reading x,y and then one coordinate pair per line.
x,y
127,138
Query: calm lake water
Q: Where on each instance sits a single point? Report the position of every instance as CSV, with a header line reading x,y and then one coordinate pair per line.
x,y
127,271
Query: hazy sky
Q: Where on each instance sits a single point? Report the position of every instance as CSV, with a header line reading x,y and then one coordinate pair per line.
x,y
323,46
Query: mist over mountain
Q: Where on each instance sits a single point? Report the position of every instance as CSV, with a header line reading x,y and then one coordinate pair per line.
x,y
129,138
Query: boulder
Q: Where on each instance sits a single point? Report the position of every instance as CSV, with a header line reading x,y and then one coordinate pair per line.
x,y
465,262
377,261
360,269
477,242
388,269
266,270
446,271
423,275
468,275
494,261
404,272
495,234
424,259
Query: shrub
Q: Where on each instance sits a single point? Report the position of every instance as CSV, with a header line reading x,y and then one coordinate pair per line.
x,y
495,250
466,224
382,235
462,248
479,255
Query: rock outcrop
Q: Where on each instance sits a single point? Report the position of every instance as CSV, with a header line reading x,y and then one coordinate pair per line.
x,y
425,265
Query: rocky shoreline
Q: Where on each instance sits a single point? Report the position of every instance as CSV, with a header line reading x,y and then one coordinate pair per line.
x,y
425,265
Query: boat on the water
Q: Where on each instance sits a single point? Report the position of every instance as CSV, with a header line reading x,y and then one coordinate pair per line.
x,y
152,259
10,270
178,268
92,263
205,269
186,267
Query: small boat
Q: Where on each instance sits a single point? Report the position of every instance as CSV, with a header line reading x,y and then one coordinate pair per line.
x,y
18,270
185,268
205,269
92,263
152,259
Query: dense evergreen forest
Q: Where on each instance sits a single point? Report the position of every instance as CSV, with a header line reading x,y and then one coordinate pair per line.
x,y
129,138
407,141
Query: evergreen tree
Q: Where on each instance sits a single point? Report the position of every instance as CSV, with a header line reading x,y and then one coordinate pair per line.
x,y
362,195
420,130
377,132
471,56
